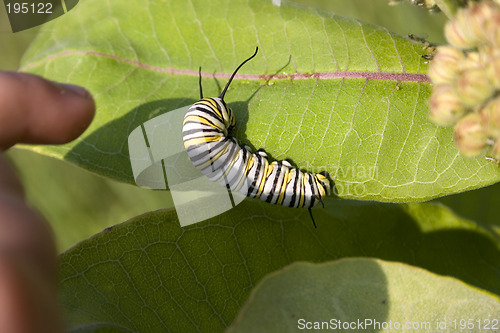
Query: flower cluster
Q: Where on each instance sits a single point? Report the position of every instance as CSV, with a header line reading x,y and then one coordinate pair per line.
x,y
466,77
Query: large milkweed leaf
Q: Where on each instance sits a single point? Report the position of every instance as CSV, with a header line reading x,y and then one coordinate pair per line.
x,y
365,294
150,275
350,98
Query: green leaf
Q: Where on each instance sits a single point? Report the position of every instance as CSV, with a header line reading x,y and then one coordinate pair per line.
x,y
141,59
364,295
150,275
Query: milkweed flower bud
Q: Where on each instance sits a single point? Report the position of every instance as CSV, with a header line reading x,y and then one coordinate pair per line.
x,y
470,135
474,87
469,28
473,60
492,28
444,66
490,118
476,18
457,32
446,107
493,71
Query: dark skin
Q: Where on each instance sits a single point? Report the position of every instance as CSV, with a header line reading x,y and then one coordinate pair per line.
x,y
32,110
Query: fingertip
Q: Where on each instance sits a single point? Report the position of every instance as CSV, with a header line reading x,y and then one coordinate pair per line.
x,y
80,111
74,89
35,110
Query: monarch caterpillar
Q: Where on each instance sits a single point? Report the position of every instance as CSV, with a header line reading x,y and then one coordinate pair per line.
x,y
206,132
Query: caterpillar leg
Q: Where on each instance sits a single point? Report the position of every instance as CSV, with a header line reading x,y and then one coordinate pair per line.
x,y
322,203
312,218
310,212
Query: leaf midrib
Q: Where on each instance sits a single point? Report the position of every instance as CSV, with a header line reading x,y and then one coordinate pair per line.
x,y
383,76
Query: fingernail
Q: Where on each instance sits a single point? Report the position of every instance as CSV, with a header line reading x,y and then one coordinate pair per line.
x,y
76,90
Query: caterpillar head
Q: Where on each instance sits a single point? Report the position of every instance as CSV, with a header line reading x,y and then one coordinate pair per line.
x,y
227,114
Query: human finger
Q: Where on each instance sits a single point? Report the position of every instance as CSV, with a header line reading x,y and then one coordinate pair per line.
x,y
35,110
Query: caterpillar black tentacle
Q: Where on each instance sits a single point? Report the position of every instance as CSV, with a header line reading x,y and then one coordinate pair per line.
x,y
199,82
206,128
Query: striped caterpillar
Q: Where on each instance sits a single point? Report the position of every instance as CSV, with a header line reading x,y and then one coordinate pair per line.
x,y
206,133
